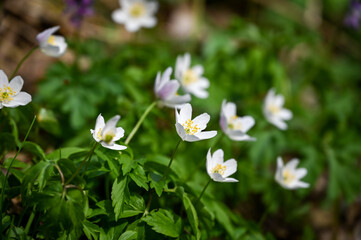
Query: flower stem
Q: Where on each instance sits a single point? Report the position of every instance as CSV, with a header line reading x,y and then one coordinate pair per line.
x,y
204,189
8,170
30,221
87,157
22,61
171,160
140,121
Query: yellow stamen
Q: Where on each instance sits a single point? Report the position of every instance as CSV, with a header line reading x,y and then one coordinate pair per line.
x,y
219,168
137,10
189,77
6,94
288,177
99,134
51,40
233,124
274,109
190,128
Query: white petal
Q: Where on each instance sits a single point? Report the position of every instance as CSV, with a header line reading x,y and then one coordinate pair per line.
x,y
239,136
185,113
191,138
148,21
229,109
231,167
44,36
247,122
217,177
198,70
152,7
119,133
302,184
119,16
16,84
99,125
278,123
3,79
169,90
113,146
177,101
270,97
278,175
111,124
209,163
291,165
198,92
180,130
206,135
60,42
202,120
217,158
21,99
285,114
132,26
230,180
51,51
300,173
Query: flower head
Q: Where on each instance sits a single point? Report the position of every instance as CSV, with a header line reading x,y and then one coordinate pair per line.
x,y
51,45
232,125
219,170
10,93
274,111
135,14
166,90
191,78
108,133
353,16
288,176
191,130
79,9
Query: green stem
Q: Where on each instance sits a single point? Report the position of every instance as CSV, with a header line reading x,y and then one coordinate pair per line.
x,y
30,221
87,157
204,189
8,170
22,61
140,121
171,159
148,205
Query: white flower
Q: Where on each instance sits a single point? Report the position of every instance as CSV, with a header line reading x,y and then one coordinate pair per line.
x,y
191,78
191,130
288,176
108,133
166,90
219,170
51,45
135,14
10,94
274,111
232,125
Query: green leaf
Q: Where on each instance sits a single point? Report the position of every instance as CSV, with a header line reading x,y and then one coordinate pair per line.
x,y
65,153
134,206
156,182
192,215
139,177
34,149
91,230
127,163
40,173
113,232
120,193
128,235
164,222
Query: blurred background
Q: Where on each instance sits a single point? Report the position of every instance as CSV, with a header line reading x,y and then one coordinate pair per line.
x,y
309,50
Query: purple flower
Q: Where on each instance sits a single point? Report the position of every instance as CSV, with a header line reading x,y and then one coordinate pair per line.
x,y
353,16
78,9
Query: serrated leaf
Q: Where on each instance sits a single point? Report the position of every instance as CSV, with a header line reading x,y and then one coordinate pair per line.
x,y
164,222
127,163
192,215
91,230
119,194
134,206
40,173
139,177
157,183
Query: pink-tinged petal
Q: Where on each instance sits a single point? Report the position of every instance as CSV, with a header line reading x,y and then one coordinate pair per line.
x,y
231,167
157,83
168,90
113,146
165,77
119,133
202,120
185,113
43,36
180,130
3,79
21,99
285,114
16,84
119,16
198,70
206,135
223,122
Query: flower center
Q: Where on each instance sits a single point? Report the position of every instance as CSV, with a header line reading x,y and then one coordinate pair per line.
x,y
288,177
219,168
109,137
189,77
274,109
51,40
137,10
190,128
6,94
234,123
